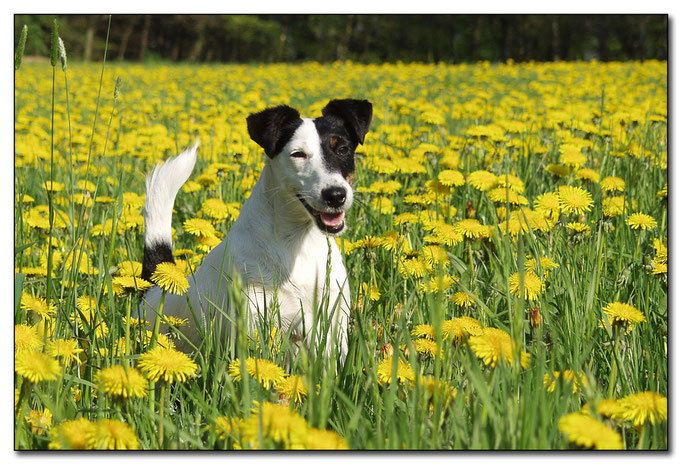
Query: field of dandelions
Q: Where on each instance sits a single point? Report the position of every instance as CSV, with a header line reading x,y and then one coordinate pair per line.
x,y
507,254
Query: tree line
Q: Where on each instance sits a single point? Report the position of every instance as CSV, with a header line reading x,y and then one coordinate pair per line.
x,y
362,38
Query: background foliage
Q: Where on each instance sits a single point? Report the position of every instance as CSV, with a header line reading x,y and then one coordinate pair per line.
x,y
363,38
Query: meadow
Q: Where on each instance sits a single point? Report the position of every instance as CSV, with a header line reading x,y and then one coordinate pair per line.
x,y
507,254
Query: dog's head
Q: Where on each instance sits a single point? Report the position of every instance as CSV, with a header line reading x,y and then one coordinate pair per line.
x,y
315,158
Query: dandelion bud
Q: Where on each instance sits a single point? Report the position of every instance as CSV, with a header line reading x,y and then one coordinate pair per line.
x,y
20,48
535,317
62,53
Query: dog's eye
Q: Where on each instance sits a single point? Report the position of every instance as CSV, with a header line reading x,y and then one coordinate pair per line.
x,y
343,150
299,155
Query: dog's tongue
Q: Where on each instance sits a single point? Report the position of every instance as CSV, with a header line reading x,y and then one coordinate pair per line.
x,y
333,220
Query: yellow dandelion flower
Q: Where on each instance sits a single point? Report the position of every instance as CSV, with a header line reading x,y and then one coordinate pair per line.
x,y
170,278
613,206
66,349
403,373
494,344
558,170
588,174
612,184
383,205
292,387
437,284
36,366
434,254
545,264
643,407
40,421
72,434
641,221
405,218
573,158
461,328
426,346
199,227
320,439
265,371
548,204
26,338
415,267
658,268
215,209
38,305
532,285
574,200
622,313
207,243
424,330
471,228
579,228
589,433
277,422
129,283
504,195
121,382
451,178
130,268
568,376
462,299
113,435
168,363
482,180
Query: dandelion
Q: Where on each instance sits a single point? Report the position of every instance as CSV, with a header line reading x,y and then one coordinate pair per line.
x,y
113,435
423,330
170,278
415,267
36,366
72,434
129,283
545,264
558,170
494,344
482,180
532,285
383,205
460,328
39,421
548,204
121,382
403,373
504,195
588,174
451,178
567,376
573,158
215,209
426,346
131,268
277,422
26,338
462,299
613,206
641,221
319,439
199,227
292,387
622,313
643,407
587,432
579,228
66,349
265,371
471,228
574,200
38,305
167,363
612,184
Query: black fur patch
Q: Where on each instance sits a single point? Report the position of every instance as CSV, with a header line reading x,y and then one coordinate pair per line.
x,y
338,146
273,127
153,255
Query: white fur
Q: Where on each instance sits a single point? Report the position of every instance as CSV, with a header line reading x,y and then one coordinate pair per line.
x,y
274,245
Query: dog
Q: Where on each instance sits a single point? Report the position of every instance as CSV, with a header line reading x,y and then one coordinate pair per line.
x,y
281,246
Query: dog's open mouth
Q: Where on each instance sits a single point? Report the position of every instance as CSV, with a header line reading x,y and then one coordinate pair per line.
x,y
331,222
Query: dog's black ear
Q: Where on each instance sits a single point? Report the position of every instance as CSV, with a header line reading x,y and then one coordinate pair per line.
x,y
273,127
356,114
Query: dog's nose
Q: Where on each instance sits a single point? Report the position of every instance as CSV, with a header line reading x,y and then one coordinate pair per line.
x,y
334,197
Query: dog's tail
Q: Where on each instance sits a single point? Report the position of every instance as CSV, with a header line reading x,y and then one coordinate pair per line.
x,y
163,184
